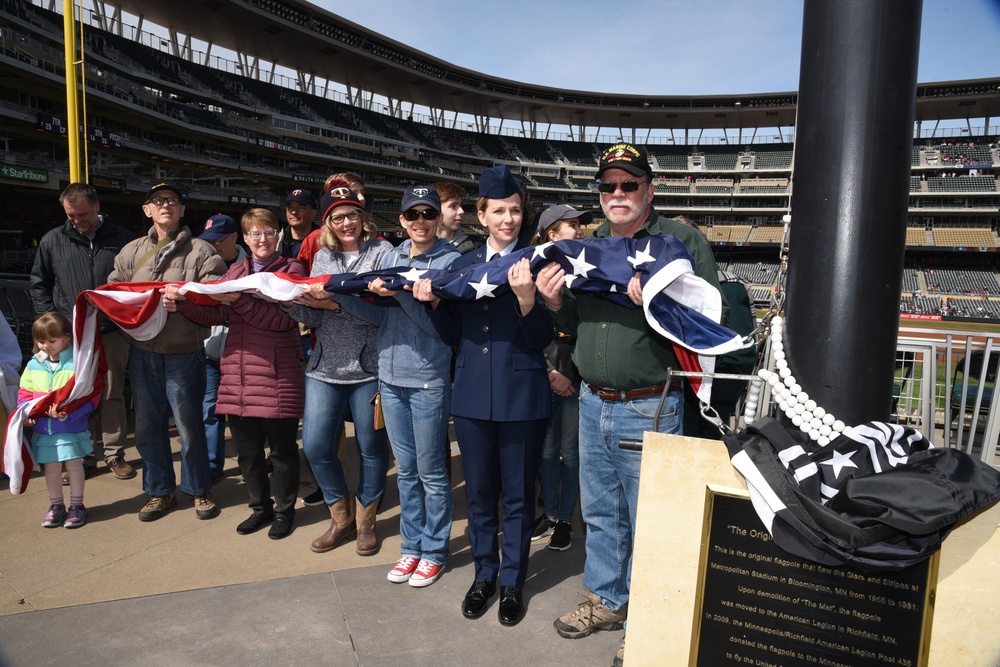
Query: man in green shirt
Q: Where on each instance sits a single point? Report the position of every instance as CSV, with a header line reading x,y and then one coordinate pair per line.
x,y
623,364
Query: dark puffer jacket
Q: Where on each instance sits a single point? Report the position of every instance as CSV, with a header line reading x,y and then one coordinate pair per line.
x,y
67,263
261,375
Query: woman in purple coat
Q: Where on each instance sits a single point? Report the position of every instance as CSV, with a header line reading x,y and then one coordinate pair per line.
x,y
262,387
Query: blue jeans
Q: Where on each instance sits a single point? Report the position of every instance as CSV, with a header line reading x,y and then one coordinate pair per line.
x,y
321,424
417,424
560,470
609,484
163,384
215,425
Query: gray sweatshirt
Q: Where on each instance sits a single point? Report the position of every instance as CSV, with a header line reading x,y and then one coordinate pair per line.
x,y
345,351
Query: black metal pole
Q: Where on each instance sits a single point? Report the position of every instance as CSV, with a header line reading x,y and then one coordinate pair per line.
x,y
853,143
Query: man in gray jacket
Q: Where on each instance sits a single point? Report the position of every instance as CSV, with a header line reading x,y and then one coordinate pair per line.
x,y
76,256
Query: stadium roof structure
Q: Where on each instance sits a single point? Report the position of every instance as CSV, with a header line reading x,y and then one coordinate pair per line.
x,y
317,43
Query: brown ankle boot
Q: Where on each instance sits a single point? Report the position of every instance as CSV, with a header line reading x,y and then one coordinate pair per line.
x,y
341,525
365,519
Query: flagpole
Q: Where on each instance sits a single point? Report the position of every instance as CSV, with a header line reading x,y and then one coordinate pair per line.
x,y
72,105
853,144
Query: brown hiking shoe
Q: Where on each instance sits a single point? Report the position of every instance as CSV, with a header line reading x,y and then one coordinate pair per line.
x,y
589,617
204,506
619,660
119,468
157,506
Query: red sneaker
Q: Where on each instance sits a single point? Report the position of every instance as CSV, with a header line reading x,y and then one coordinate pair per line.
x,y
426,574
404,568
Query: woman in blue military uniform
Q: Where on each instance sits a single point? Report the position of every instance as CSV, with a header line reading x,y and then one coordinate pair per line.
x,y
500,402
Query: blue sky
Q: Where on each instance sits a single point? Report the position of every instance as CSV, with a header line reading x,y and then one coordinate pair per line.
x,y
660,47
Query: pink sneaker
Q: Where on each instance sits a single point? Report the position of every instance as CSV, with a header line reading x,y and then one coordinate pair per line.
x,y
403,570
426,574
76,517
55,516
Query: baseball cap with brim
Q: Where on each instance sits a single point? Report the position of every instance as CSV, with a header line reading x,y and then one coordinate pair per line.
x,y
554,214
421,195
626,157
218,226
176,189
303,197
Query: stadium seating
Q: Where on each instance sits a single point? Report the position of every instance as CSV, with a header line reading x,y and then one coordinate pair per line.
x,y
960,281
967,153
962,184
916,237
766,234
577,153
670,158
772,159
755,273
545,181
959,237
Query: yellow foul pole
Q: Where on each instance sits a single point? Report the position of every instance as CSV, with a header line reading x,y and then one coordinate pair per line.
x,y
72,117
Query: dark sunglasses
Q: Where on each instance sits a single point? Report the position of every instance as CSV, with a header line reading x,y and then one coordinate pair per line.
x,y
626,186
427,213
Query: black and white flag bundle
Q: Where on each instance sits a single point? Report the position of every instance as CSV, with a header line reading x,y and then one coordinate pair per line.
x,y
879,497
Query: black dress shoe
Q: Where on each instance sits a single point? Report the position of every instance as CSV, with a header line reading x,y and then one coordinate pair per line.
x,y
478,598
511,609
254,523
281,528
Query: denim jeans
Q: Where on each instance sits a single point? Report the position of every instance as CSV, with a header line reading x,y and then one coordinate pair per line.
x,y
609,484
324,416
215,425
163,384
560,470
417,424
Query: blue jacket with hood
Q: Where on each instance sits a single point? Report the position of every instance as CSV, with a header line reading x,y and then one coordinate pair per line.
x,y
410,351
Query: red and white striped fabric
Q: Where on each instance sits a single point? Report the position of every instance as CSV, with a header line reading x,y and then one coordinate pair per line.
x,y
136,308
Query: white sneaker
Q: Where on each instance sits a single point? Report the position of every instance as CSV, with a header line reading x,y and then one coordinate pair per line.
x,y
403,569
426,574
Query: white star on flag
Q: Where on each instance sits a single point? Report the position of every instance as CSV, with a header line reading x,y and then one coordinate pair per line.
x,y
483,288
641,257
413,274
540,251
569,280
580,264
840,461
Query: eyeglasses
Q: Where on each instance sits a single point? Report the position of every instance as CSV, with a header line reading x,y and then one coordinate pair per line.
x,y
160,201
296,209
219,241
626,186
426,214
257,234
339,219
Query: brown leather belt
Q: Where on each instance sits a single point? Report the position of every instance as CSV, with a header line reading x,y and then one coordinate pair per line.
x,y
631,394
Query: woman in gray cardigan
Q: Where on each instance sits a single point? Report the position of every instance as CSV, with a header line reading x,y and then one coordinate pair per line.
x,y
343,372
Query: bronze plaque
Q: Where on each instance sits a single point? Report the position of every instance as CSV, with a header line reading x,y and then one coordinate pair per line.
x,y
758,605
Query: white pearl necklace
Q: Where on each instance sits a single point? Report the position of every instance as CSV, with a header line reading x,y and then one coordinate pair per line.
x,y
787,393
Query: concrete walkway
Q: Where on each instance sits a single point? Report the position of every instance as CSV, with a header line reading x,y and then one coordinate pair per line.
x,y
180,591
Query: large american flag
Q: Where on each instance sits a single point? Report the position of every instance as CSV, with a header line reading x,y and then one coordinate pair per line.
x,y
678,304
